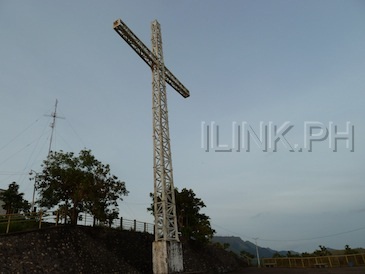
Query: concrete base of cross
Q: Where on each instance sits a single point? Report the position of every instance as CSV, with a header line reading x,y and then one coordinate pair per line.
x,y
167,257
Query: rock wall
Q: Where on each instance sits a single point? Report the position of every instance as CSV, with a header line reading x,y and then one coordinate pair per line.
x,y
66,249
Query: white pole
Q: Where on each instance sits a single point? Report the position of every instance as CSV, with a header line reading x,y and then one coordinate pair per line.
x,y
257,253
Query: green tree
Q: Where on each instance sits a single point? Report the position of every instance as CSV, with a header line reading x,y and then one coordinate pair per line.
x,y
246,256
276,255
79,184
191,222
290,254
323,251
349,250
244,253
13,200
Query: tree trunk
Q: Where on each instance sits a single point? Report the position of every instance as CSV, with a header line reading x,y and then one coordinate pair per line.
x,y
74,215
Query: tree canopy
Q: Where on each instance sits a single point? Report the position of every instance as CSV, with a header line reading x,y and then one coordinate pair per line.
x,y
349,250
13,200
79,184
191,222
322,251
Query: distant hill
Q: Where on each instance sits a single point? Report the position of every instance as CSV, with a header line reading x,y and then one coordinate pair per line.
x,y
236,244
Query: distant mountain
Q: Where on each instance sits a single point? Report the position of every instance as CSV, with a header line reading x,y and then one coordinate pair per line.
x,y
236,244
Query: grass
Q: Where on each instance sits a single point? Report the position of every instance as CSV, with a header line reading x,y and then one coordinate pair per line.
x,y
20,223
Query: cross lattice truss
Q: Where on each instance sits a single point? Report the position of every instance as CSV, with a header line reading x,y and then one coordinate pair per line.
x,y
164,195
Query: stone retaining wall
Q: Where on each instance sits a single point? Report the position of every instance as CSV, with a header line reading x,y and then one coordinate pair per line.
x,y
66,249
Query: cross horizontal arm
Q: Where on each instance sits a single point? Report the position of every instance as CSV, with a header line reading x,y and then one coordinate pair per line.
x,y
122,29
176,84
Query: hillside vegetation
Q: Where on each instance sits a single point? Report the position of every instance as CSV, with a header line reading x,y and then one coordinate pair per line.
x,y
236,245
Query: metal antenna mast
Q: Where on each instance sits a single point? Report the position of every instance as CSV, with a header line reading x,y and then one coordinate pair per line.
x,y
167,252
53,124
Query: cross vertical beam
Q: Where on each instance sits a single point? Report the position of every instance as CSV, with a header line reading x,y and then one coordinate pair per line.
x,y
164,194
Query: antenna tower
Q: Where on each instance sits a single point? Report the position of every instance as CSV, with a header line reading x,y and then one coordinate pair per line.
x,y
53,125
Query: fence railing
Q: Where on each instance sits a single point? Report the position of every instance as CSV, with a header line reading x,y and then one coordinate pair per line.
x,y
36,220
318,262
134,225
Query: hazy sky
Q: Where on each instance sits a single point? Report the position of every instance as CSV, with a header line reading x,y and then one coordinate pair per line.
x,y
243,62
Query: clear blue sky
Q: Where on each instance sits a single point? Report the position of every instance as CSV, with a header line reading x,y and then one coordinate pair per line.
x,y
243,61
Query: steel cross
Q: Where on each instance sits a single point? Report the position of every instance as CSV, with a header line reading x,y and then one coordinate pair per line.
x,y
164,195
